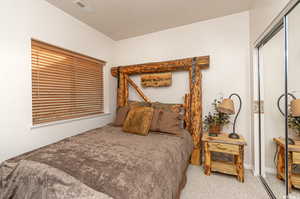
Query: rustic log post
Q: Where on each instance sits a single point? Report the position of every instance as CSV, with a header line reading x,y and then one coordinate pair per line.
x,y
280,162
126,91
240,164
196,115
207,164
187,108
290,162
121,90
190,78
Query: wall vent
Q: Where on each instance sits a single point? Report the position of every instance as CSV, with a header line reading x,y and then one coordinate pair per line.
x,y
83,4
80,4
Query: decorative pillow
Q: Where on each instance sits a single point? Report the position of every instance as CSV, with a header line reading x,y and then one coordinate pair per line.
x,y
133,104
121,115
138,120
154,124
168,122
176,108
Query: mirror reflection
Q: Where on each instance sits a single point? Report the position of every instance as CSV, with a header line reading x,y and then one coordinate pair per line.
x,y
293,38
273,120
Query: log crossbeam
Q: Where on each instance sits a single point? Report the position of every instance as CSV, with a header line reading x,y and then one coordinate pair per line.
x,y
166,66
138,90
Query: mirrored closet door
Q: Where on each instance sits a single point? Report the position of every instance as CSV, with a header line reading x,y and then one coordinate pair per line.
x,y
279,102
272,120
293,85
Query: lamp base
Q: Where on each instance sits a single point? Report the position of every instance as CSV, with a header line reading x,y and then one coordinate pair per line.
x,y
291,141
234,136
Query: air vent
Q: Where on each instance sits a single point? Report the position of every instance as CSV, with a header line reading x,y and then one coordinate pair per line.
x,y
84,4
81,3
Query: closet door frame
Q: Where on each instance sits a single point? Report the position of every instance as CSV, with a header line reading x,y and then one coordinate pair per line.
x,y
260,90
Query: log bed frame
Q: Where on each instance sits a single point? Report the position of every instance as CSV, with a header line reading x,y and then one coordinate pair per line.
x,y
192,100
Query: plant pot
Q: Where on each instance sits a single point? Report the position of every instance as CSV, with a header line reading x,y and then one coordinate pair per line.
x,y
215,130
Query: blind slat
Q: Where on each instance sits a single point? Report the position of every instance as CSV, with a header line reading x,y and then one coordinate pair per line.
x,y
63,110
66,65
46,120
65,84
60,113
60,51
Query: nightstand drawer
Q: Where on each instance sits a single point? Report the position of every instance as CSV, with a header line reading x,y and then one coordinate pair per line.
x,y
296,158
224,148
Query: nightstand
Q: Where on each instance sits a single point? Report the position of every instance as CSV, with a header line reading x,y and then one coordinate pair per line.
x,y
224,145
293,159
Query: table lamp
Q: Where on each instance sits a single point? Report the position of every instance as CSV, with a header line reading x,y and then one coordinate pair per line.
x,y
227,106
295,110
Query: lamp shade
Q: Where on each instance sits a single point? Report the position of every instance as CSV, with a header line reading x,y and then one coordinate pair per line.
x,y
226,106
295,107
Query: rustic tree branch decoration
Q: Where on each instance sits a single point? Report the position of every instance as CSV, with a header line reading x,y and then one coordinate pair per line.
x,y
192,101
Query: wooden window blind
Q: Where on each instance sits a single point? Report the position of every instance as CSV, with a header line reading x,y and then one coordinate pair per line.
x,y
65,85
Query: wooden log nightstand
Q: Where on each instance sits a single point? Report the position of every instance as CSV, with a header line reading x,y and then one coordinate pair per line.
x,y
225,145
293,159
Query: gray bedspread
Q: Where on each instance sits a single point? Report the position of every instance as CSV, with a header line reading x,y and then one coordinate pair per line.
x,y
103,163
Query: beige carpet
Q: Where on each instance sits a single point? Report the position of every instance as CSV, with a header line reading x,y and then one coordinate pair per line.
x,y
278,187
221,186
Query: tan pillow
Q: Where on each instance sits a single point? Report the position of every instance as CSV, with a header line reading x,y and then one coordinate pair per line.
x,y
168,122
121,115
138,120
154,124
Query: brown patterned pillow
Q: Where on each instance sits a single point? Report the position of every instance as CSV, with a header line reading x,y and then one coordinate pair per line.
x,y
169,122
121,115
138,120
154,124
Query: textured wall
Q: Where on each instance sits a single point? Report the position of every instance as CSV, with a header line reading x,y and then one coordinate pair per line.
x,y
21,21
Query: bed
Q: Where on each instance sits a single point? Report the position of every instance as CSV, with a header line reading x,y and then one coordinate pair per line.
x,y
103,163
107,163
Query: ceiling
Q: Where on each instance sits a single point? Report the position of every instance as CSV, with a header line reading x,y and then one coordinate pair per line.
x,y
121,19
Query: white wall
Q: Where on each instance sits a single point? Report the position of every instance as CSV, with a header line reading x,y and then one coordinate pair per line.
x,y
225,40
21,21
262,13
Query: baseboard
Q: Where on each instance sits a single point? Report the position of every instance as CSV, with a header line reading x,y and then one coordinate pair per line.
x,y
271,170
248,166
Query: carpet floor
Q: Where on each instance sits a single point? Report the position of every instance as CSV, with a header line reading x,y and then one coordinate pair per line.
x,y
221,186
278,187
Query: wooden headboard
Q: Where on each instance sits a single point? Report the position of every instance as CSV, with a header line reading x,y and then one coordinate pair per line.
x,y
192,100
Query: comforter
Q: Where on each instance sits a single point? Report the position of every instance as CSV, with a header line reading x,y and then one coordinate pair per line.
x,y
103,163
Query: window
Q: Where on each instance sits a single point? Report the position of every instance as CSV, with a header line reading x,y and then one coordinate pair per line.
x,y
65,85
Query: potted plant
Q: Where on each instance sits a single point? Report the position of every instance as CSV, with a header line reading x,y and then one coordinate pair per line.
x,y
294,123
215,120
